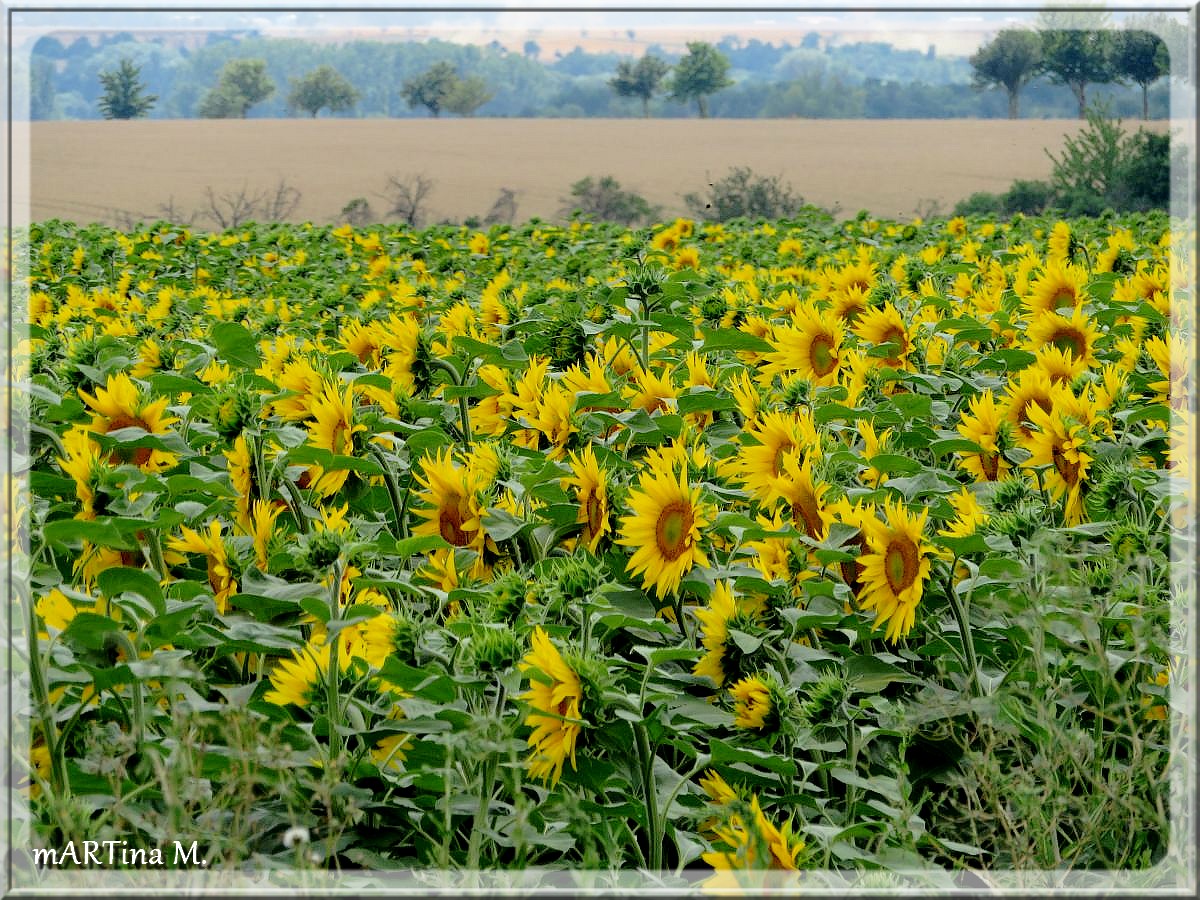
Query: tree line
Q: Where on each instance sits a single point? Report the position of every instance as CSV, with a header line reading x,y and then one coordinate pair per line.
x,y
1076,58
1037,70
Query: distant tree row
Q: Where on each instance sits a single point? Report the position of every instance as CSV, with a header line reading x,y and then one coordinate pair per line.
x,y
242,84
1074,57
704,70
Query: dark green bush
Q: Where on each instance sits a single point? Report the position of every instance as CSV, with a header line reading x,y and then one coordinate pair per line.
x,y
981,203
604,200
1027,196
743,195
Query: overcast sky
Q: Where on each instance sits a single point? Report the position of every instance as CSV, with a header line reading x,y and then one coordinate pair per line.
x,y
957,32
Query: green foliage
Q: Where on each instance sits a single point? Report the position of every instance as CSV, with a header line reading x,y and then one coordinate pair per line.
x,y
466,96
742,194
1140,57
1028,197
242,84
641,79
1102,167
980,203
702,71
604,200
322,88
123,93
1077,58
431,88
1010,61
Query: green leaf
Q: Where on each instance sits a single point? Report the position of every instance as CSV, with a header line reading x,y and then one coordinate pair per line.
x,y
870,673
236,344
425,543
102,532
116,581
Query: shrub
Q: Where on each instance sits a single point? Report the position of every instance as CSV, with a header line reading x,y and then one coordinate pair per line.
x,y
1026,196
604,200
1103,168
1143,175
743,195
981,203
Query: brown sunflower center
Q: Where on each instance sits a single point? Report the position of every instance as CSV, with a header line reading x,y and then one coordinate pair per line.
x,y
821,355
783,448
595,513
337,440
805,510
450,522
1067,469
139,456
1064,296
673,528
990,464
900,563
1070,339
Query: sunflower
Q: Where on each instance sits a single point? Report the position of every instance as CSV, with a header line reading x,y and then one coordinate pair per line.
x,y
885,325
453,508
873,445
715,620
968,515
1077,334
895,569
300,680
555,693
751,702
84,462
220,575
591,490
778,437
665,529
241,476
333,429
121,405
1059,442
1173,357
1031,388
1061,366
810,347
652,392
803,495
755,842
981,424
1060,286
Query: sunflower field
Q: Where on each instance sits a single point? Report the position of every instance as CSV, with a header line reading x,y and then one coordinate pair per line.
x,y
700,550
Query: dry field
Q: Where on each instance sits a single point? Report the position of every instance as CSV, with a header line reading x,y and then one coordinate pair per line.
x,y
116,172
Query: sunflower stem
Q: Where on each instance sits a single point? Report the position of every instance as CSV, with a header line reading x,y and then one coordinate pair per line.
x,y
677,604
393,489
646,764
41,697
964,629
155,555
296,503
464,415
333,700
139,717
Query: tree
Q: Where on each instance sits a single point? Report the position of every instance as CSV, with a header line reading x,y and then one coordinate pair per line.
x,y
123,96
703,71
466,96
242,83
1140,57
641,79
323,87
1010,61
431,87
1075,50
532,49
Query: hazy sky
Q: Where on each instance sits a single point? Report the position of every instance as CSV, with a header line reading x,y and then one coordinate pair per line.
x,y
957,32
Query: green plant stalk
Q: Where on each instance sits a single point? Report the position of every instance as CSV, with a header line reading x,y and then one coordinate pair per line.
x,y
333,696
481,811
464,414
155,554
139,719
296,504
41,697
964,630
646,764
677,605
393,489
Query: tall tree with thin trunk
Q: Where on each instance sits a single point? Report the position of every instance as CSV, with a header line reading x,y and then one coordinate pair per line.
x,y
1076,49
641,79
1011,60
1140,57
703,71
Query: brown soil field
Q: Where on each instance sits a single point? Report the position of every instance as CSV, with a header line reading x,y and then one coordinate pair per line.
x,y
122,171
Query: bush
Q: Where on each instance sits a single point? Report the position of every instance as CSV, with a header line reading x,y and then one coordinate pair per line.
x,y
1027,197
743,195
604,200
981,203
1103,168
